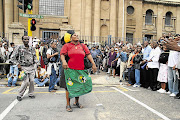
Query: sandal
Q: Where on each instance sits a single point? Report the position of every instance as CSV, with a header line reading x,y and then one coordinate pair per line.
x,y
68,108
78,105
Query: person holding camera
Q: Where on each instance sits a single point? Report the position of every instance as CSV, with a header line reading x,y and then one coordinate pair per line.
x,y
52,55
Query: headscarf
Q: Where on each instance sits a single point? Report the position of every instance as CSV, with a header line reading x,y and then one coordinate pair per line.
x,y
67,36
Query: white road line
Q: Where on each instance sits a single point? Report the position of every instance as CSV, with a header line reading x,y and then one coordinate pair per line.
x,y
142,104
10,107
130,89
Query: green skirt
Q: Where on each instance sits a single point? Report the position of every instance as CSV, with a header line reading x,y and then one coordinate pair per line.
x,y
78,82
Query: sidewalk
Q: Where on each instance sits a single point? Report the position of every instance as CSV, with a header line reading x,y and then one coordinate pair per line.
x,y
104,79
99,79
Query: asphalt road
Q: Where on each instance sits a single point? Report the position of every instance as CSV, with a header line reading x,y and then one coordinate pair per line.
x,y
108,101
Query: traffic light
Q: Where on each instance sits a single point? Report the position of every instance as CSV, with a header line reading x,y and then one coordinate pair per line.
x,y
24,5
33,23
30,5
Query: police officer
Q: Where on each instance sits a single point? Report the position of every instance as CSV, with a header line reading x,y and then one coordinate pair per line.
x,y
24,57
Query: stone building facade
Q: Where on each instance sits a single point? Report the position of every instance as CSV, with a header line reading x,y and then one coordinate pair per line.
x,y
94,20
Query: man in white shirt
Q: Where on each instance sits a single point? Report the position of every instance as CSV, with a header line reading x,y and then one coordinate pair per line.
x,y
153,66
52,55
145,75
172,78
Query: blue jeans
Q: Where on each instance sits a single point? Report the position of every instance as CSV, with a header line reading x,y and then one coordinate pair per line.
x,y
137,76
53,79
58,79
39,83
13,73
172,81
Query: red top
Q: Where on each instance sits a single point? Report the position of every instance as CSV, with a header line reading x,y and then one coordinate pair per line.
x,y
76,54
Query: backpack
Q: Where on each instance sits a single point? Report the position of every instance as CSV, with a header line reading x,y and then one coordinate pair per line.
x,y
44,56
54,58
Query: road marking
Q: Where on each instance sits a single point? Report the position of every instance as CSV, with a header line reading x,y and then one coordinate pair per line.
x,y
129,89
122,88
10,107
103,91
142,104
7,91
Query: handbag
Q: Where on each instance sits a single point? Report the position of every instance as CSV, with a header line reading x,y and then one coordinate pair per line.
x,y
87,63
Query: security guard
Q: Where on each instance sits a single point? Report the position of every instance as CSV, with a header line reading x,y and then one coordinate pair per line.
x,y
24,57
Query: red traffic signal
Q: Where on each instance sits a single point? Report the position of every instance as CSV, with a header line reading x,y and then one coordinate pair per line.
x,y
33,23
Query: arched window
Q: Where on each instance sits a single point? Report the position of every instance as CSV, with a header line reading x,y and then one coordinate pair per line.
x,y
168,18
148,19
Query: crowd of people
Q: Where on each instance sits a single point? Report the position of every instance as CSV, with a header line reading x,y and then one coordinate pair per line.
x,y
148,65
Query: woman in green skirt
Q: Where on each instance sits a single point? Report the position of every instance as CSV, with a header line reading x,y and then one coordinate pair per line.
x,y
76,80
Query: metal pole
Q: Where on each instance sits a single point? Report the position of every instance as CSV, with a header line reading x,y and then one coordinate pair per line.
x,y
29,24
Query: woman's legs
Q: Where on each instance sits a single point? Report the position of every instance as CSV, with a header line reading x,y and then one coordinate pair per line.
x,y
163,86
67,98
76,100
68,106
77,103
114,73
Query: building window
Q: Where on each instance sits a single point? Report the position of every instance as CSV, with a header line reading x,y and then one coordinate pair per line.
x,y
148,19
130,10
168,19
148,37
51,7
129,37
47,35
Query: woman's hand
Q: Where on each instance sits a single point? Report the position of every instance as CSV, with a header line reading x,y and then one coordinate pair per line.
x,y
94,68
65,65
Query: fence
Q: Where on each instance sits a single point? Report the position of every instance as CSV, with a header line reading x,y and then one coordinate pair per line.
x,y
98,40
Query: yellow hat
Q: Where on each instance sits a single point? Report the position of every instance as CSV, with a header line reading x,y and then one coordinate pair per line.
x,y
67,37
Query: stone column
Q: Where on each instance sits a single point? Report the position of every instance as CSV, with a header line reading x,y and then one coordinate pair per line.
x,y
67,8
139,21
159,21
83,15
16,11
8,14
178,20
1,17
97,22
113,18
120,18
88,20
35,7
